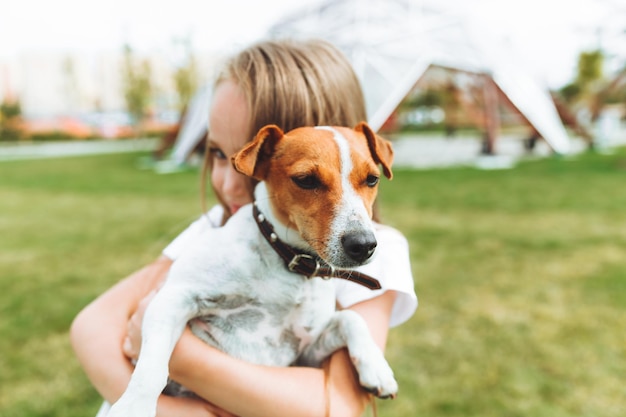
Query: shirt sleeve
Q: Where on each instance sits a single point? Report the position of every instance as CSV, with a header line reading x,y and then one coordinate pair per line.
x,y
392,267
190,236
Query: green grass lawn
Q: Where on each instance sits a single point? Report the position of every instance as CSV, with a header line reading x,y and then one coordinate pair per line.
x,y
521,276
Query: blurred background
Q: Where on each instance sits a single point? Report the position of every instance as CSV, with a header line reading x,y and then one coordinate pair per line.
x,y
508,124
124,69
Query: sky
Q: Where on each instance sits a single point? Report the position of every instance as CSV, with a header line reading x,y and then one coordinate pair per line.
x,y
547,34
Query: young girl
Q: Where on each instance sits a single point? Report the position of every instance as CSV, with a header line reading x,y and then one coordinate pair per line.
x,y
290,84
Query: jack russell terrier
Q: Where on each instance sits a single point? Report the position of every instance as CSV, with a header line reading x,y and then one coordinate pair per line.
x,y
247,290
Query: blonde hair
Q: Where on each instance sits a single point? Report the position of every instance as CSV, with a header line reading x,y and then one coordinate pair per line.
x,y
293,84
297,83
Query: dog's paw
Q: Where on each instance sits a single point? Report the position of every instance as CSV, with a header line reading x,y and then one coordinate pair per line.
x,y
376,376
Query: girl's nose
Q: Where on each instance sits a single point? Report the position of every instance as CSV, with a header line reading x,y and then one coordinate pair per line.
x,y
235,183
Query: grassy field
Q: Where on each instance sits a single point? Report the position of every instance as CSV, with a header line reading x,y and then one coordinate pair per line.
x,y
520,274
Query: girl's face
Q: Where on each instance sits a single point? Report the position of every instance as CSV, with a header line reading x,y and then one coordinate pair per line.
x,y
228,132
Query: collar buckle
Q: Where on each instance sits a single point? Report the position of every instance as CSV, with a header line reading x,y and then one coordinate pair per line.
x,y
296,262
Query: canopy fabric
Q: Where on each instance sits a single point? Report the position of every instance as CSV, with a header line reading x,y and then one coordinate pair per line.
x,y
391,43
194,125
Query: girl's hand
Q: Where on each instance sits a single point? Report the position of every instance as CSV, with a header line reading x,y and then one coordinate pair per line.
x,y
132,346
132,342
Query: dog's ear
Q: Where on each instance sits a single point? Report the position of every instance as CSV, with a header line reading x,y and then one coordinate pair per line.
x,y
251,160
380,148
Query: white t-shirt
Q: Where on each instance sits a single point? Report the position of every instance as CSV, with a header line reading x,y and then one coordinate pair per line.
x,y
390,266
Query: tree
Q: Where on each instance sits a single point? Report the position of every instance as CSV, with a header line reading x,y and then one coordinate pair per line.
x,y
138,86
588,82
10,115
186,76
590,68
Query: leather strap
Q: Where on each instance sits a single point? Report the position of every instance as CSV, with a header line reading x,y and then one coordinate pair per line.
x,y
307,264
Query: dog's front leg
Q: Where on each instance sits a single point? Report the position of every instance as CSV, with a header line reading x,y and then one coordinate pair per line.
x,y
348,329
163,323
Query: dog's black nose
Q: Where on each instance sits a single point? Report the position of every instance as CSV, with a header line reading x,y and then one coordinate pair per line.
x,y
359,246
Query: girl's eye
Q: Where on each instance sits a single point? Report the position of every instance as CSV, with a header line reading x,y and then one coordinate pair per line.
x,y
372,180
217,153
308,182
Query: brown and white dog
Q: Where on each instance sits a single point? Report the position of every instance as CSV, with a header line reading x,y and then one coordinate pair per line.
x,y
318,185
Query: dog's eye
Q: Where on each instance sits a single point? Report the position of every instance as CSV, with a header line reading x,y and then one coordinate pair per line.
x,y
308,182
371,180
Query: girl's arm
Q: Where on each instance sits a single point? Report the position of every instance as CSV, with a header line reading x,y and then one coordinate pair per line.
x,y
100,330
97,334
251,390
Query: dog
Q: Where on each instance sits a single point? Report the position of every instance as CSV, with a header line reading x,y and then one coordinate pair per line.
x,y
249,290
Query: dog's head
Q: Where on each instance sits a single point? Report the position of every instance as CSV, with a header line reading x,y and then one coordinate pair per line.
x,y
322,182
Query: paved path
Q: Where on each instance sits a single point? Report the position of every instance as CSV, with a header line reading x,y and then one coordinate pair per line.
x,y
17,151
418,152
422,152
